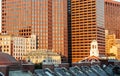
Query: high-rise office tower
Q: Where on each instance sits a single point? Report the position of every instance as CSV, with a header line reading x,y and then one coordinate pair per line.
x,y
47,19
112,17
26,17
87,24
59,28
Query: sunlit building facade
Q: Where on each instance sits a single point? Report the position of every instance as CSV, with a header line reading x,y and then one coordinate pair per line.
x,y
87,24
112,47
47,19
43,56
22,46
117,41
59,28
109,41
112,17
24,17
5,43
17,46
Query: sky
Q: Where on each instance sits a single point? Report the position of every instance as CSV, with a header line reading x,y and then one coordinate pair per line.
x,y
117,0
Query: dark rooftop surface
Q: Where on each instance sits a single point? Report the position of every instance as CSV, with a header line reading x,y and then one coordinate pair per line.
x,y
94,70
6,59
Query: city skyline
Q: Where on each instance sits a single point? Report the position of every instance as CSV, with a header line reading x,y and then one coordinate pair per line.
x,y
0,12
59,37
47,19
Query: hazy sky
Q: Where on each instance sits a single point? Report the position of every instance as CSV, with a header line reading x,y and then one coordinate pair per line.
x,y
117,0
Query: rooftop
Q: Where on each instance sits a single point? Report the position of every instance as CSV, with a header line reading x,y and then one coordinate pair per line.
x,y
6,59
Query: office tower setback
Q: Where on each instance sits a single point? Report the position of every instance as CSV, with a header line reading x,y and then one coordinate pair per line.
x,y
112,17
47,19
87,24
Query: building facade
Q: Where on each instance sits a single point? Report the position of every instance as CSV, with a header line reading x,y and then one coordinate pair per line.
x,y
47,19
22,46
112,17
117,41
5,44
17,46
59,28
109,41
43,56
87,24
23,18
112,46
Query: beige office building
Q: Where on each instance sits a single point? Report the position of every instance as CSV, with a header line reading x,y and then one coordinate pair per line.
x,y
5,43
22,46
112,46
17,46
43,56
109,41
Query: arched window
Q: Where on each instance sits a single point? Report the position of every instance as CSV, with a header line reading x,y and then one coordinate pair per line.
x,y
92,46
95,46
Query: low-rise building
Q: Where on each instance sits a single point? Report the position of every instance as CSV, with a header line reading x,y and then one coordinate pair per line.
x,y
117,41
5,43
17,46
43,56
109,41
112,46
9,64
22,46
